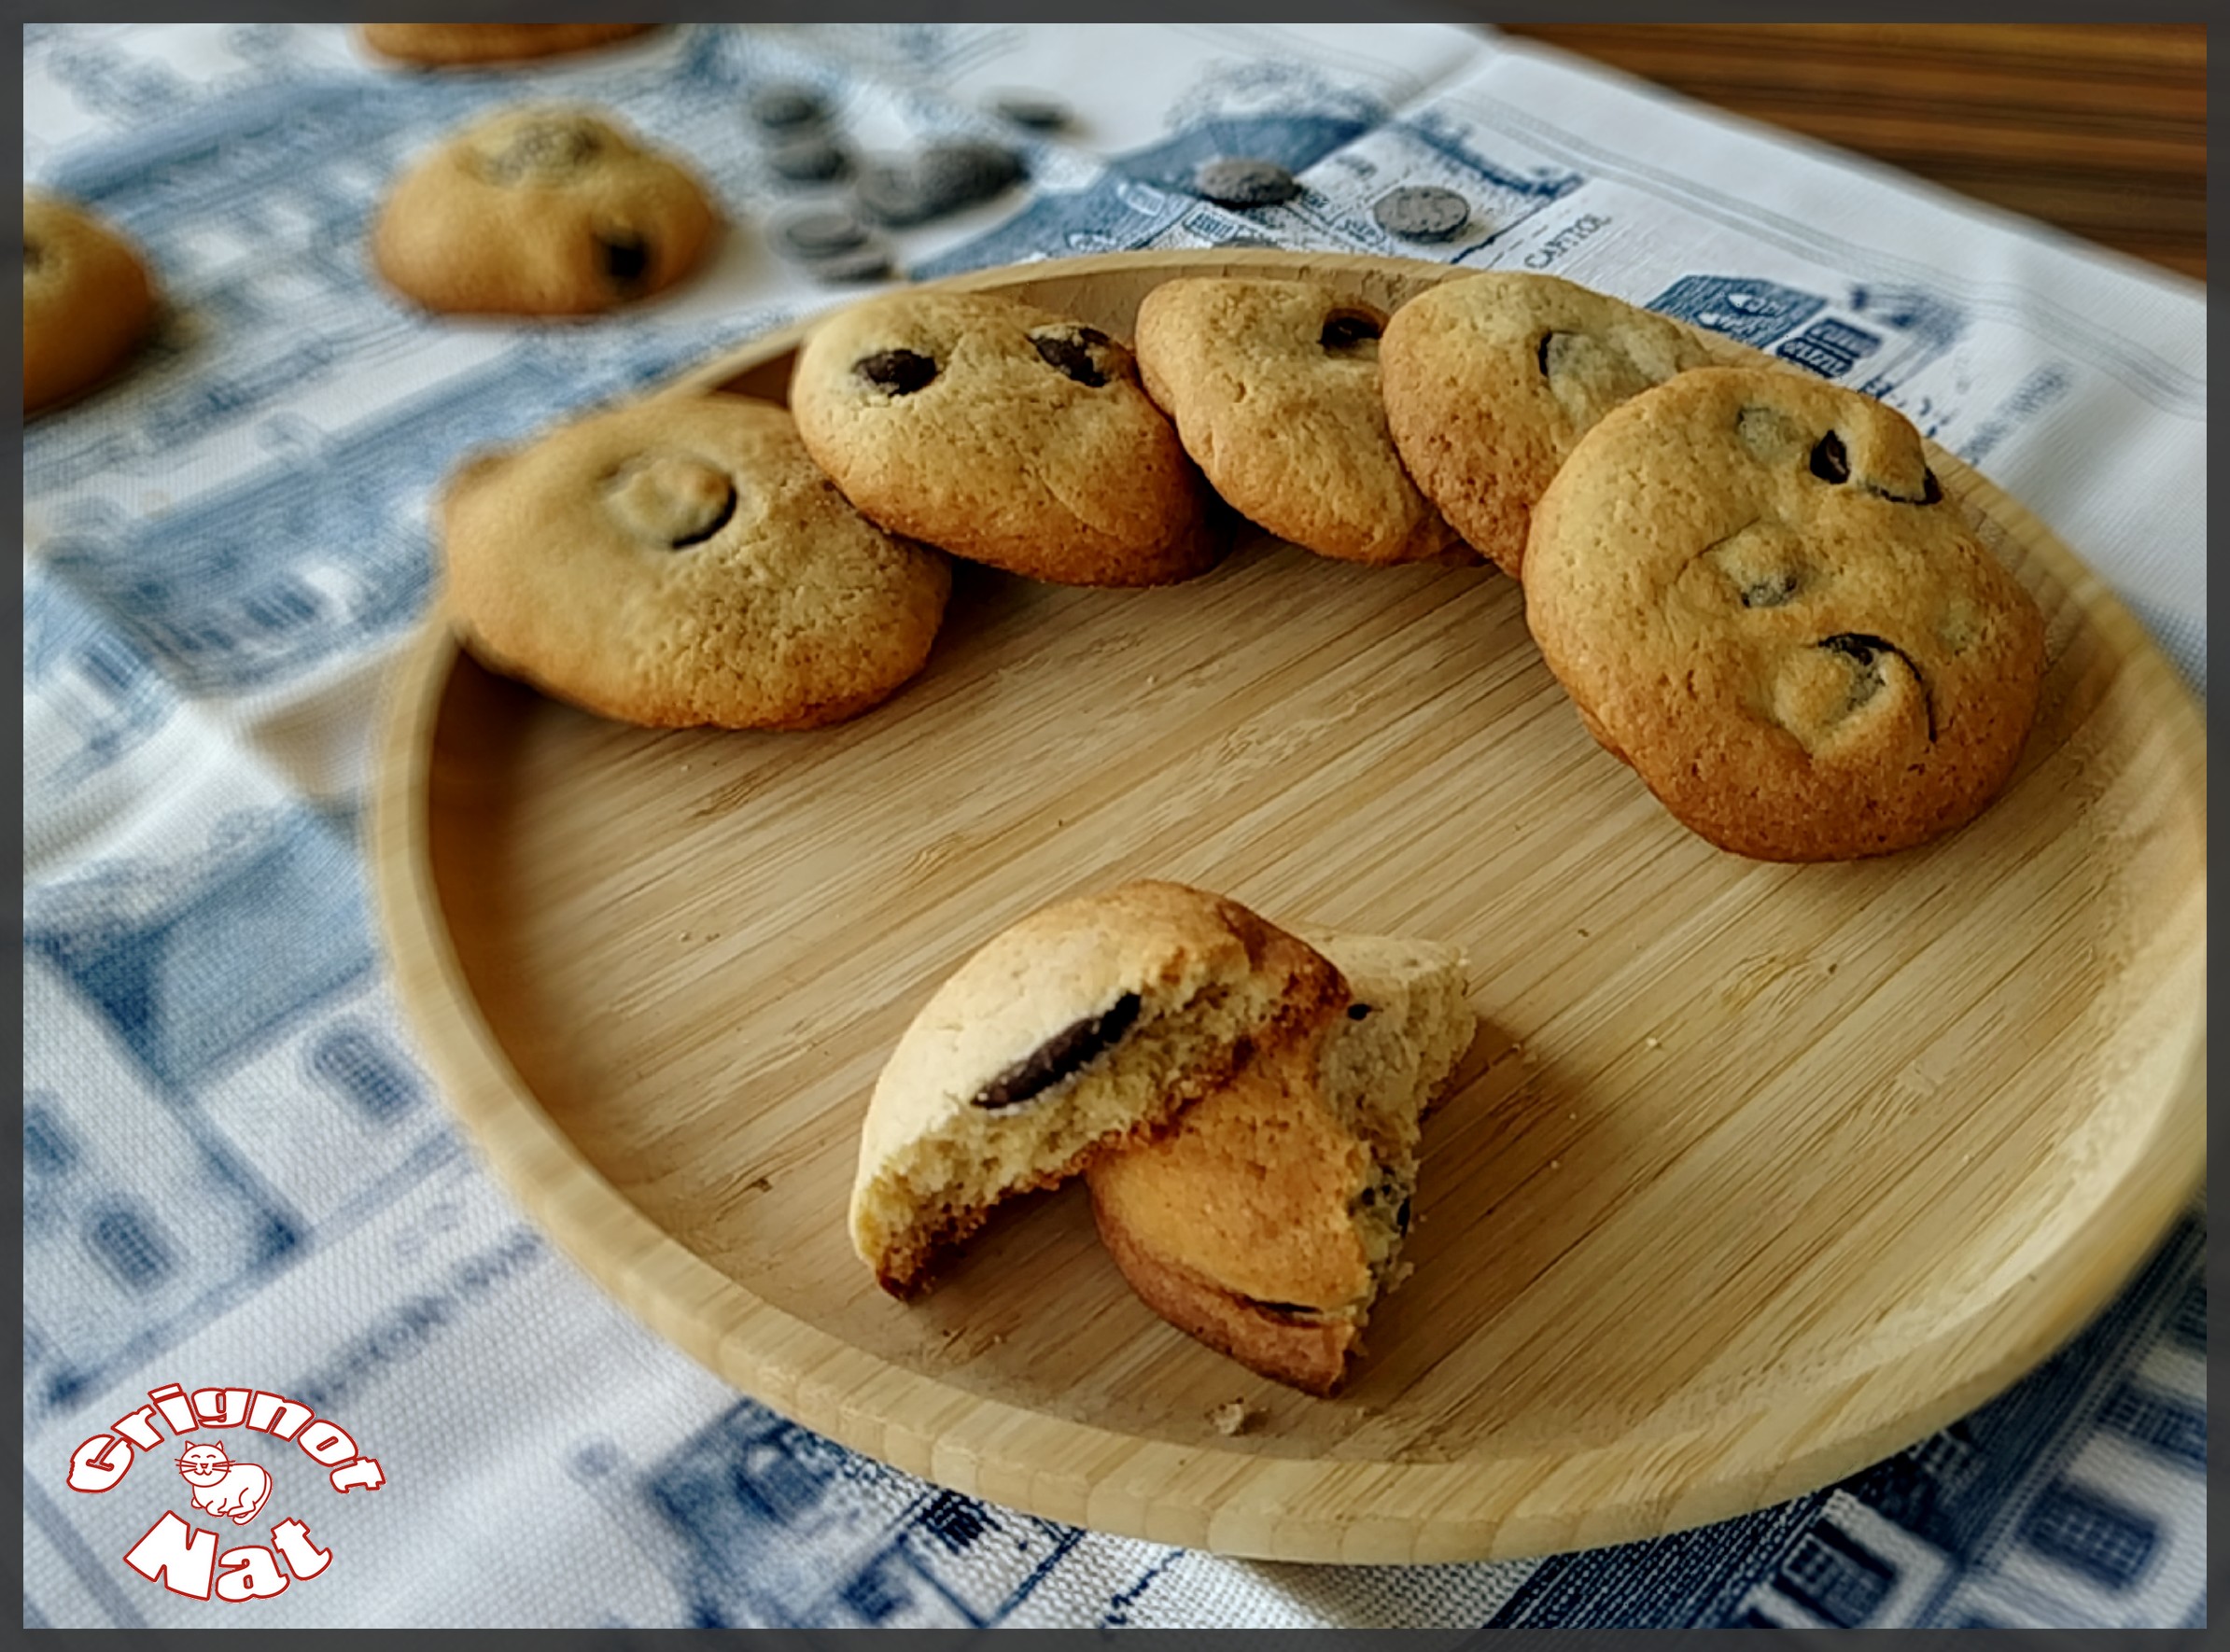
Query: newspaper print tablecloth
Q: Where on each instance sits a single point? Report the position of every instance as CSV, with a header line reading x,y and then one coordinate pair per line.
x,y
235,1173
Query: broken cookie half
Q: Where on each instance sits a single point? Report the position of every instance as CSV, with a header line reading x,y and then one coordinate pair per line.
x,y
1270,1221
1244,1101
1086,1026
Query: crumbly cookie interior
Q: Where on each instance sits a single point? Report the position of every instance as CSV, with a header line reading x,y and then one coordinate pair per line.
x,y
1382,1069
944,1183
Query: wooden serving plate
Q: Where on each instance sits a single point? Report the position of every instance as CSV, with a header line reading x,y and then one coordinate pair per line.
x,y
1755,1175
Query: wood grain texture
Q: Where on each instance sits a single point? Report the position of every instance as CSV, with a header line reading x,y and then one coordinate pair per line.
x,y
2097,129
1754,1175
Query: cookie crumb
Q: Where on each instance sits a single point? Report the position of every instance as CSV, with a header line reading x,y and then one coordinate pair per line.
x,y
1232,1417
1650,1042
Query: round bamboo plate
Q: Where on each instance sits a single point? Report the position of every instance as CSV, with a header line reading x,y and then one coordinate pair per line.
x,y
1755,1174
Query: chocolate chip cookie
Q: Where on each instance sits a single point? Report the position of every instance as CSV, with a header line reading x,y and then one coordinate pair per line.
x,y
470,44
682,561
1268,1223
1490,378
1274,388
1086,1024
1006,434
543,210
1759,595
88,300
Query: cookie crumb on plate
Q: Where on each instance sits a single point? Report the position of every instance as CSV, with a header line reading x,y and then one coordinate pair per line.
x,y
1232,1417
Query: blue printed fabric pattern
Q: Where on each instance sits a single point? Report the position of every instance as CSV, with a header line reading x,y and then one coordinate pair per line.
x,y
235,1170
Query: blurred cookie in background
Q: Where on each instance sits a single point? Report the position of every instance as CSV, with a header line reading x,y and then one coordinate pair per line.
x,y
89,302
541,210
446,45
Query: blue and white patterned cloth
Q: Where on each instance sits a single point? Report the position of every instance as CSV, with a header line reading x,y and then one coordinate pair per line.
x,y
236,1174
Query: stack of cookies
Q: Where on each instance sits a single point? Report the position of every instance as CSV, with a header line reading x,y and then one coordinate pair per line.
x,y
1243,1101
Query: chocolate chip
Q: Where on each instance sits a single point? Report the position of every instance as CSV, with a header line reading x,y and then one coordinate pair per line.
x,y
942,179
1930,491
33,255
1356,1012
627,257
1063,1056
820,234
1771,591
1401,1218
1858,646
809,160
1421,212
1030,109
1830,463
671,499
1540,353
1864,651
719,520
779,107
1343,329
1234,181
900,371
1071,355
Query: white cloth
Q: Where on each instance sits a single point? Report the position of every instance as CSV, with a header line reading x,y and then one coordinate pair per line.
x,y
236,1175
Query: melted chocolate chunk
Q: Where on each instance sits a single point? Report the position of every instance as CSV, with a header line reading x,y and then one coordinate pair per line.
x,y
671,500
627,257
1061,1056
1346,329
717,520
1540,353
1858,646
900,371
1073,354
1865,650
1830,463
1930,491
1356,1012
1290,1310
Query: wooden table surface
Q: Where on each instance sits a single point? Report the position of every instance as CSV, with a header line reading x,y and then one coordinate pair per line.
x,y
2099,129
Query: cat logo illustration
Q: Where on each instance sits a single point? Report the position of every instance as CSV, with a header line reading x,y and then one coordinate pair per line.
x,y
222,1487
190,1559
